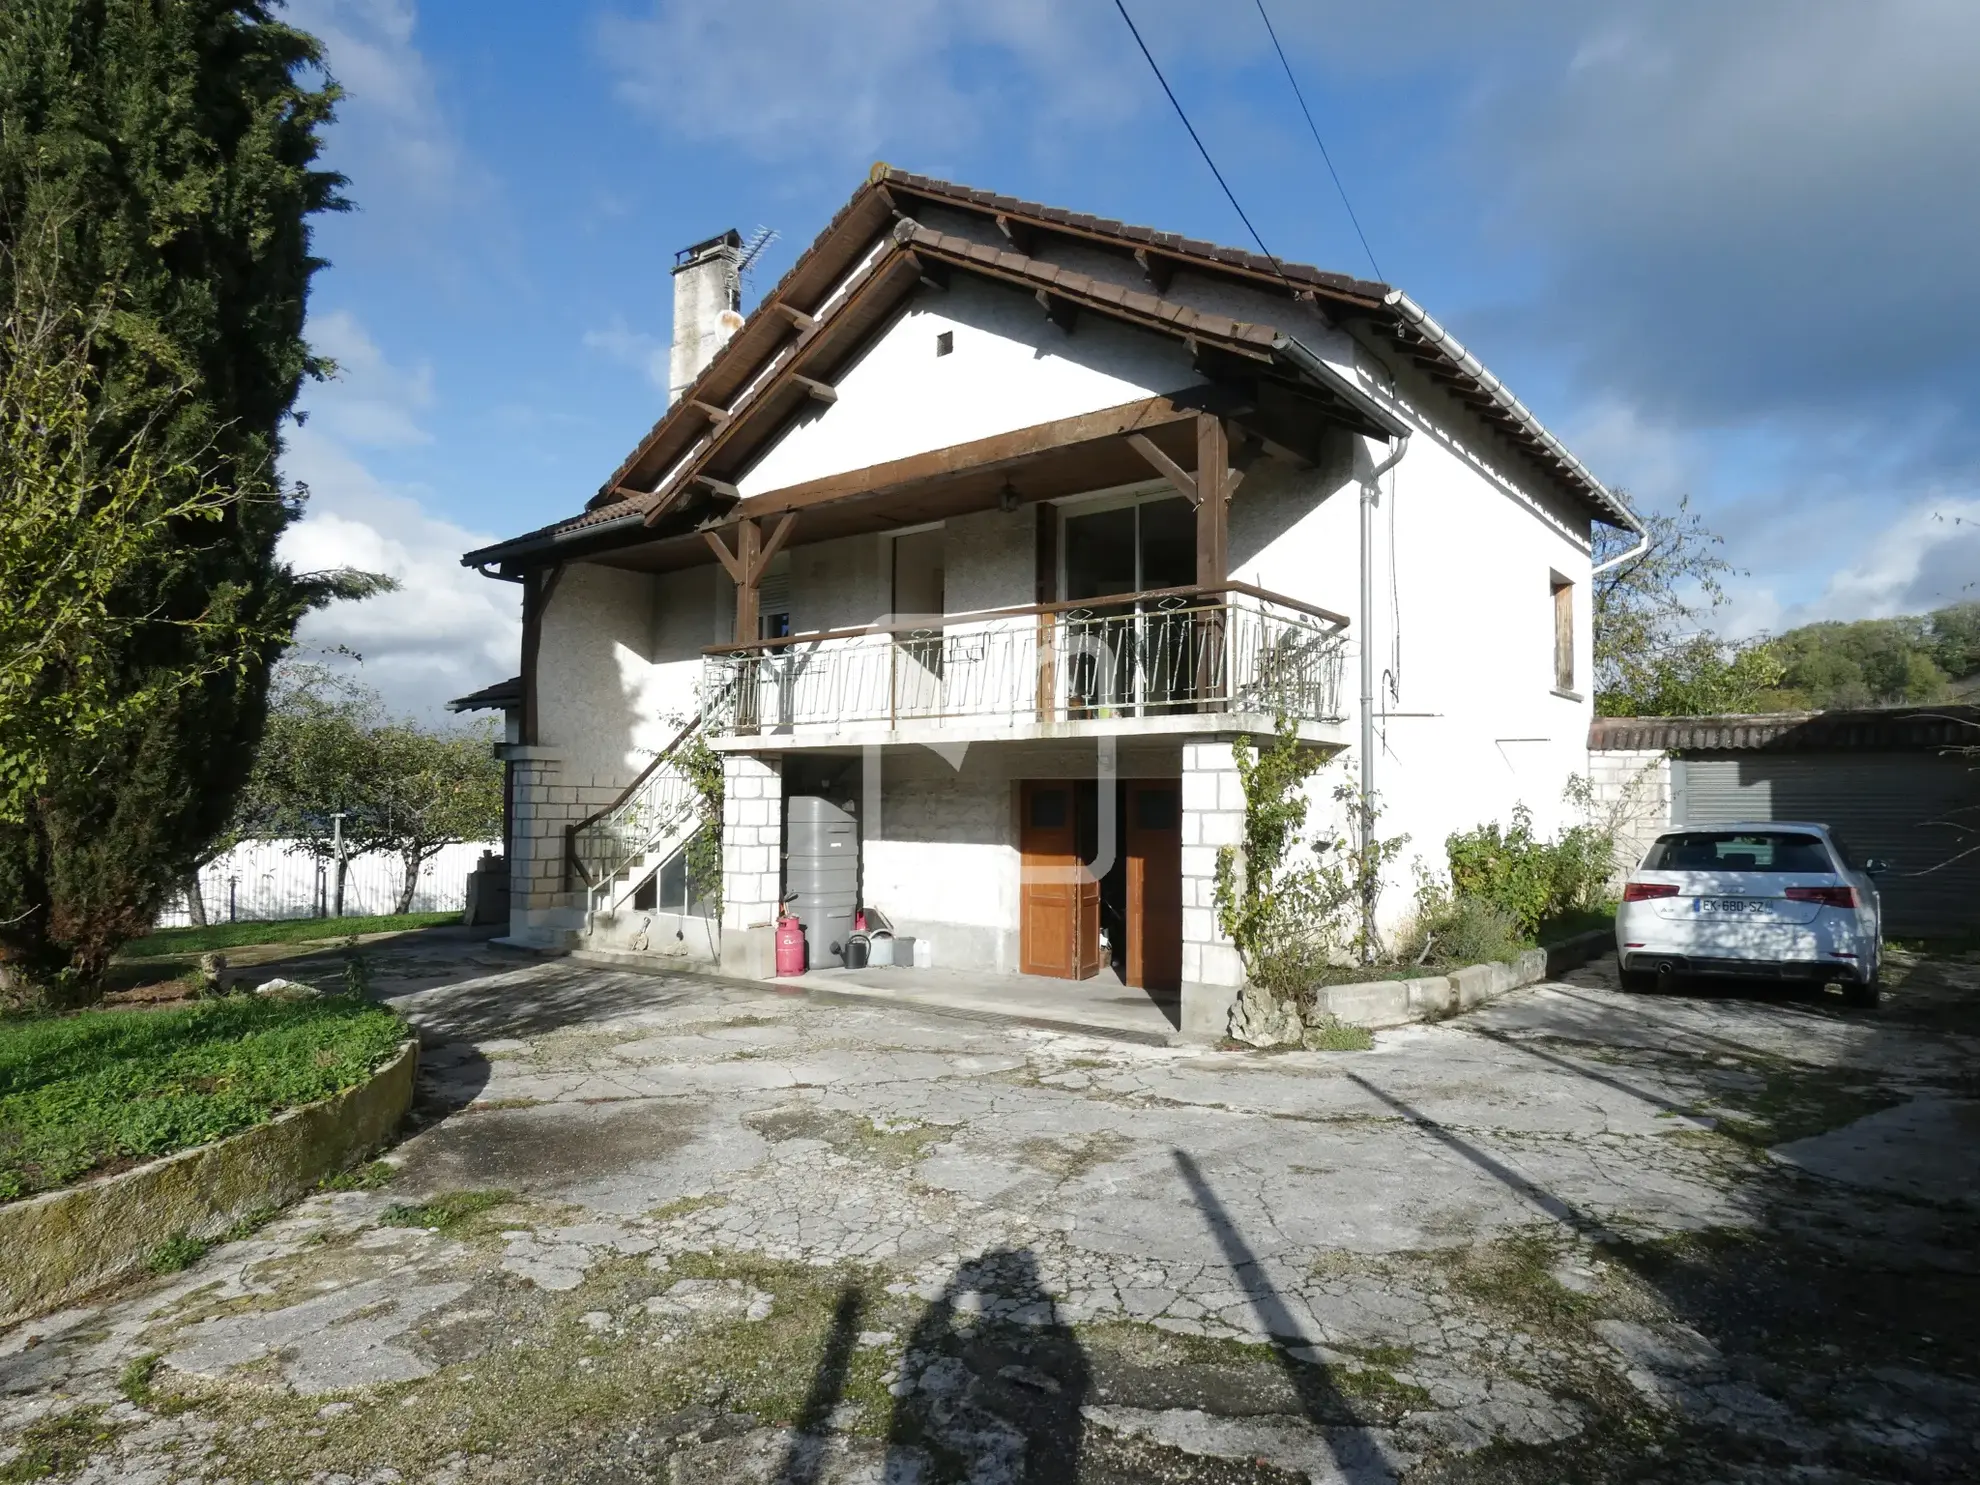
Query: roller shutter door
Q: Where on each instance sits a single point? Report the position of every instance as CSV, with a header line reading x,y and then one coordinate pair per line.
x,y
1918,811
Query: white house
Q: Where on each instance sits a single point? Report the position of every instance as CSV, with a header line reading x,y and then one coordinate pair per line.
x,y
984,535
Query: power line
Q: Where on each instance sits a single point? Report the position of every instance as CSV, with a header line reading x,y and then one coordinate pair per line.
x,y
1269,31
1229,195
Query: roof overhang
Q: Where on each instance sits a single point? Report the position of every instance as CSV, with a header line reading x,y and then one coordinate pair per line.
x,y
875,254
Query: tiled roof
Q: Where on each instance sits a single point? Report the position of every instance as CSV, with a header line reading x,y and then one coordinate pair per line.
x,y
498,697
1127,232
682,429
1888,729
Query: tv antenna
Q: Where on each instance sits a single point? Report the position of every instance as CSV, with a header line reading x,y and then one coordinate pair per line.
x,y
760,239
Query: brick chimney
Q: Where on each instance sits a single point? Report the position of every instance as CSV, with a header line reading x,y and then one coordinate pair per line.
x,y
707,307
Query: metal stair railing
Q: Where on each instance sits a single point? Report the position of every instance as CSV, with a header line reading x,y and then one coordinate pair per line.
x,y
654,816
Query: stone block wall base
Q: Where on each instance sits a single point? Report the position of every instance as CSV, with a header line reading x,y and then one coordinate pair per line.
x,y
1379,1003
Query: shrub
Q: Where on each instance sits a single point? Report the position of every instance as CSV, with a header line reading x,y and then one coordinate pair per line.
x,y
1459,930
1529,879
1293,906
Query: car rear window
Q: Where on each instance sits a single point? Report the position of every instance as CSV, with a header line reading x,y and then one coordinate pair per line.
x,y
1719,850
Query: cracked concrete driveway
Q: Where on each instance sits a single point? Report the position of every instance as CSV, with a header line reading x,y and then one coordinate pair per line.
x,y
680,1229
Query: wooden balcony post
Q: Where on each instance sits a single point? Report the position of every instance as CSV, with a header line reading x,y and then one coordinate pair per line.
x,y
1213,485
1213,457
746,565
749,543
1045,590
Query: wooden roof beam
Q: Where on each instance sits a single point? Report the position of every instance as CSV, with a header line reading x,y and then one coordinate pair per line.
x,y
1061,312
1159,271
1163,465
803,323
999,451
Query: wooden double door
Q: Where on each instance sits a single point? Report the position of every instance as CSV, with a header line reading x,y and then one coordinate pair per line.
x,y
1070,885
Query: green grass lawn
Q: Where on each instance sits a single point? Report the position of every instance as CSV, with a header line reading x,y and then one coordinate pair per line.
x,y
83,1092
286,931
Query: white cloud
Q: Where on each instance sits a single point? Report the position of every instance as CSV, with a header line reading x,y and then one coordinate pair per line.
x,y
796,79
445,632
1928,558
409,168
370,402
646,354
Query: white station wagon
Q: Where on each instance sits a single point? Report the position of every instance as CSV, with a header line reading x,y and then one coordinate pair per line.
x,y
1780,899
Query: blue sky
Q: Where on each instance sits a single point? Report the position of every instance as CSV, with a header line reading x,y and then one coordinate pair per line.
x,y
1723,251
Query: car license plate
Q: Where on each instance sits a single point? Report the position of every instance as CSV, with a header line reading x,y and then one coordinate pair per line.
x,y
1731,907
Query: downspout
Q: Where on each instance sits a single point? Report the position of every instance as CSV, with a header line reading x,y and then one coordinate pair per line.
x,y
1371,493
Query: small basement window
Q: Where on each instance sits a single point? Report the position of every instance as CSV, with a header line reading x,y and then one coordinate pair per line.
x,y
945,342
1563,632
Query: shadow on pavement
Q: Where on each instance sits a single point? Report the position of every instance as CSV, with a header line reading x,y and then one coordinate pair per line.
x,y
804,1462
1322,1401
992,1379
1841,1335
538,997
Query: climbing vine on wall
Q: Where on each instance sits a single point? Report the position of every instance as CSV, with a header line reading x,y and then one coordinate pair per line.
x,y
702,766
1290,905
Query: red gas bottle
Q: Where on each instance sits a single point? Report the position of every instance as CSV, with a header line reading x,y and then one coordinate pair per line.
x,y
790,946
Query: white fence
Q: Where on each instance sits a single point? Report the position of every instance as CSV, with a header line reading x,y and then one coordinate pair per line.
x,y
263,879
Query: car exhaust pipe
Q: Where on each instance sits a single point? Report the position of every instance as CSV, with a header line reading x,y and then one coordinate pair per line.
x,y
1665,967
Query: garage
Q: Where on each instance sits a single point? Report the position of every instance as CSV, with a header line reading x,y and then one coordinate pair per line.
x,y
1894,785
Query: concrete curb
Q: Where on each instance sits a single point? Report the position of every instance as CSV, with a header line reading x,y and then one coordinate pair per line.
x,y
63,1245
1379,1003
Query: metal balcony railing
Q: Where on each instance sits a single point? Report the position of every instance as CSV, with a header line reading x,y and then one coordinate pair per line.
x,y
1170,652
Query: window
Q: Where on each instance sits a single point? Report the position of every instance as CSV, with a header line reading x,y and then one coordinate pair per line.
x,y
1563,633
945,342
1715,850
670,890
773,599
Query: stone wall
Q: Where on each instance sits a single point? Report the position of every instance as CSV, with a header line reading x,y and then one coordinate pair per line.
x,y
752,863
1213,817
1632,790
545,906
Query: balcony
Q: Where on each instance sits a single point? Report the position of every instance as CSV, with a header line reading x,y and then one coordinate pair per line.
x,y
1173,660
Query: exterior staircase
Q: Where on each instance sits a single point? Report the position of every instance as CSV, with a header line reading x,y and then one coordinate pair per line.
x,y
612,852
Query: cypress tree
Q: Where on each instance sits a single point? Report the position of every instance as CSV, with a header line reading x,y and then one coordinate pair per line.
x,y
158,173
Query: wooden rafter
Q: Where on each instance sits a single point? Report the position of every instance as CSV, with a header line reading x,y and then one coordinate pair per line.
x,y
816,390
1061,312
1002,450
1019,235
800,321
1171,471
786,364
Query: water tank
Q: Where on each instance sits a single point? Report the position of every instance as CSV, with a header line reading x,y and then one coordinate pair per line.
x,y
821,873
